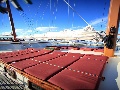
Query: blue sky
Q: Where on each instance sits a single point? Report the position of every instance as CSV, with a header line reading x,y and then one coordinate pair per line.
x,y
55,15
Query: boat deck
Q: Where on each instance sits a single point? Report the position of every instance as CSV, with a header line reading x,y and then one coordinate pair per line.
x,y
58,66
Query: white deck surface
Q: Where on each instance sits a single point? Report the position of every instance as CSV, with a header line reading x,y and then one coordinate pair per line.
x,y
111,74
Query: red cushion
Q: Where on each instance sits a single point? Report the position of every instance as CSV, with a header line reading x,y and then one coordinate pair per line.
x,y
76,54
25,63
42,71
66,60
96,57
89,66
70,80
21,55
15,58
49,56
8,54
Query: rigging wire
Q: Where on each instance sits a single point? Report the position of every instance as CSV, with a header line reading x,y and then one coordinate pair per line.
x,y
76,12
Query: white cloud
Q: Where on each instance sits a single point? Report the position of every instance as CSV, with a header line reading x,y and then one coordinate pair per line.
x,y
6,33
98,21
22,30
62,33
29,31
45,29
19,30
78,27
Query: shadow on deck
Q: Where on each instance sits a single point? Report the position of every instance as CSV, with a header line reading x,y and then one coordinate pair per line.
x,y
8,84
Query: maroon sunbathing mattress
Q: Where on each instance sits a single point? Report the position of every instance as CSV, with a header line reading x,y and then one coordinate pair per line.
x,y
14,58
93,64
42,71
24,63
96,57
67,70
51,67
8,54
66,60
82,74
50,56
88,66
72,80
22,56
33,61
35,52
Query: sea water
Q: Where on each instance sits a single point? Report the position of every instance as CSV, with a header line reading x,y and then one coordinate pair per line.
x,y
20,46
